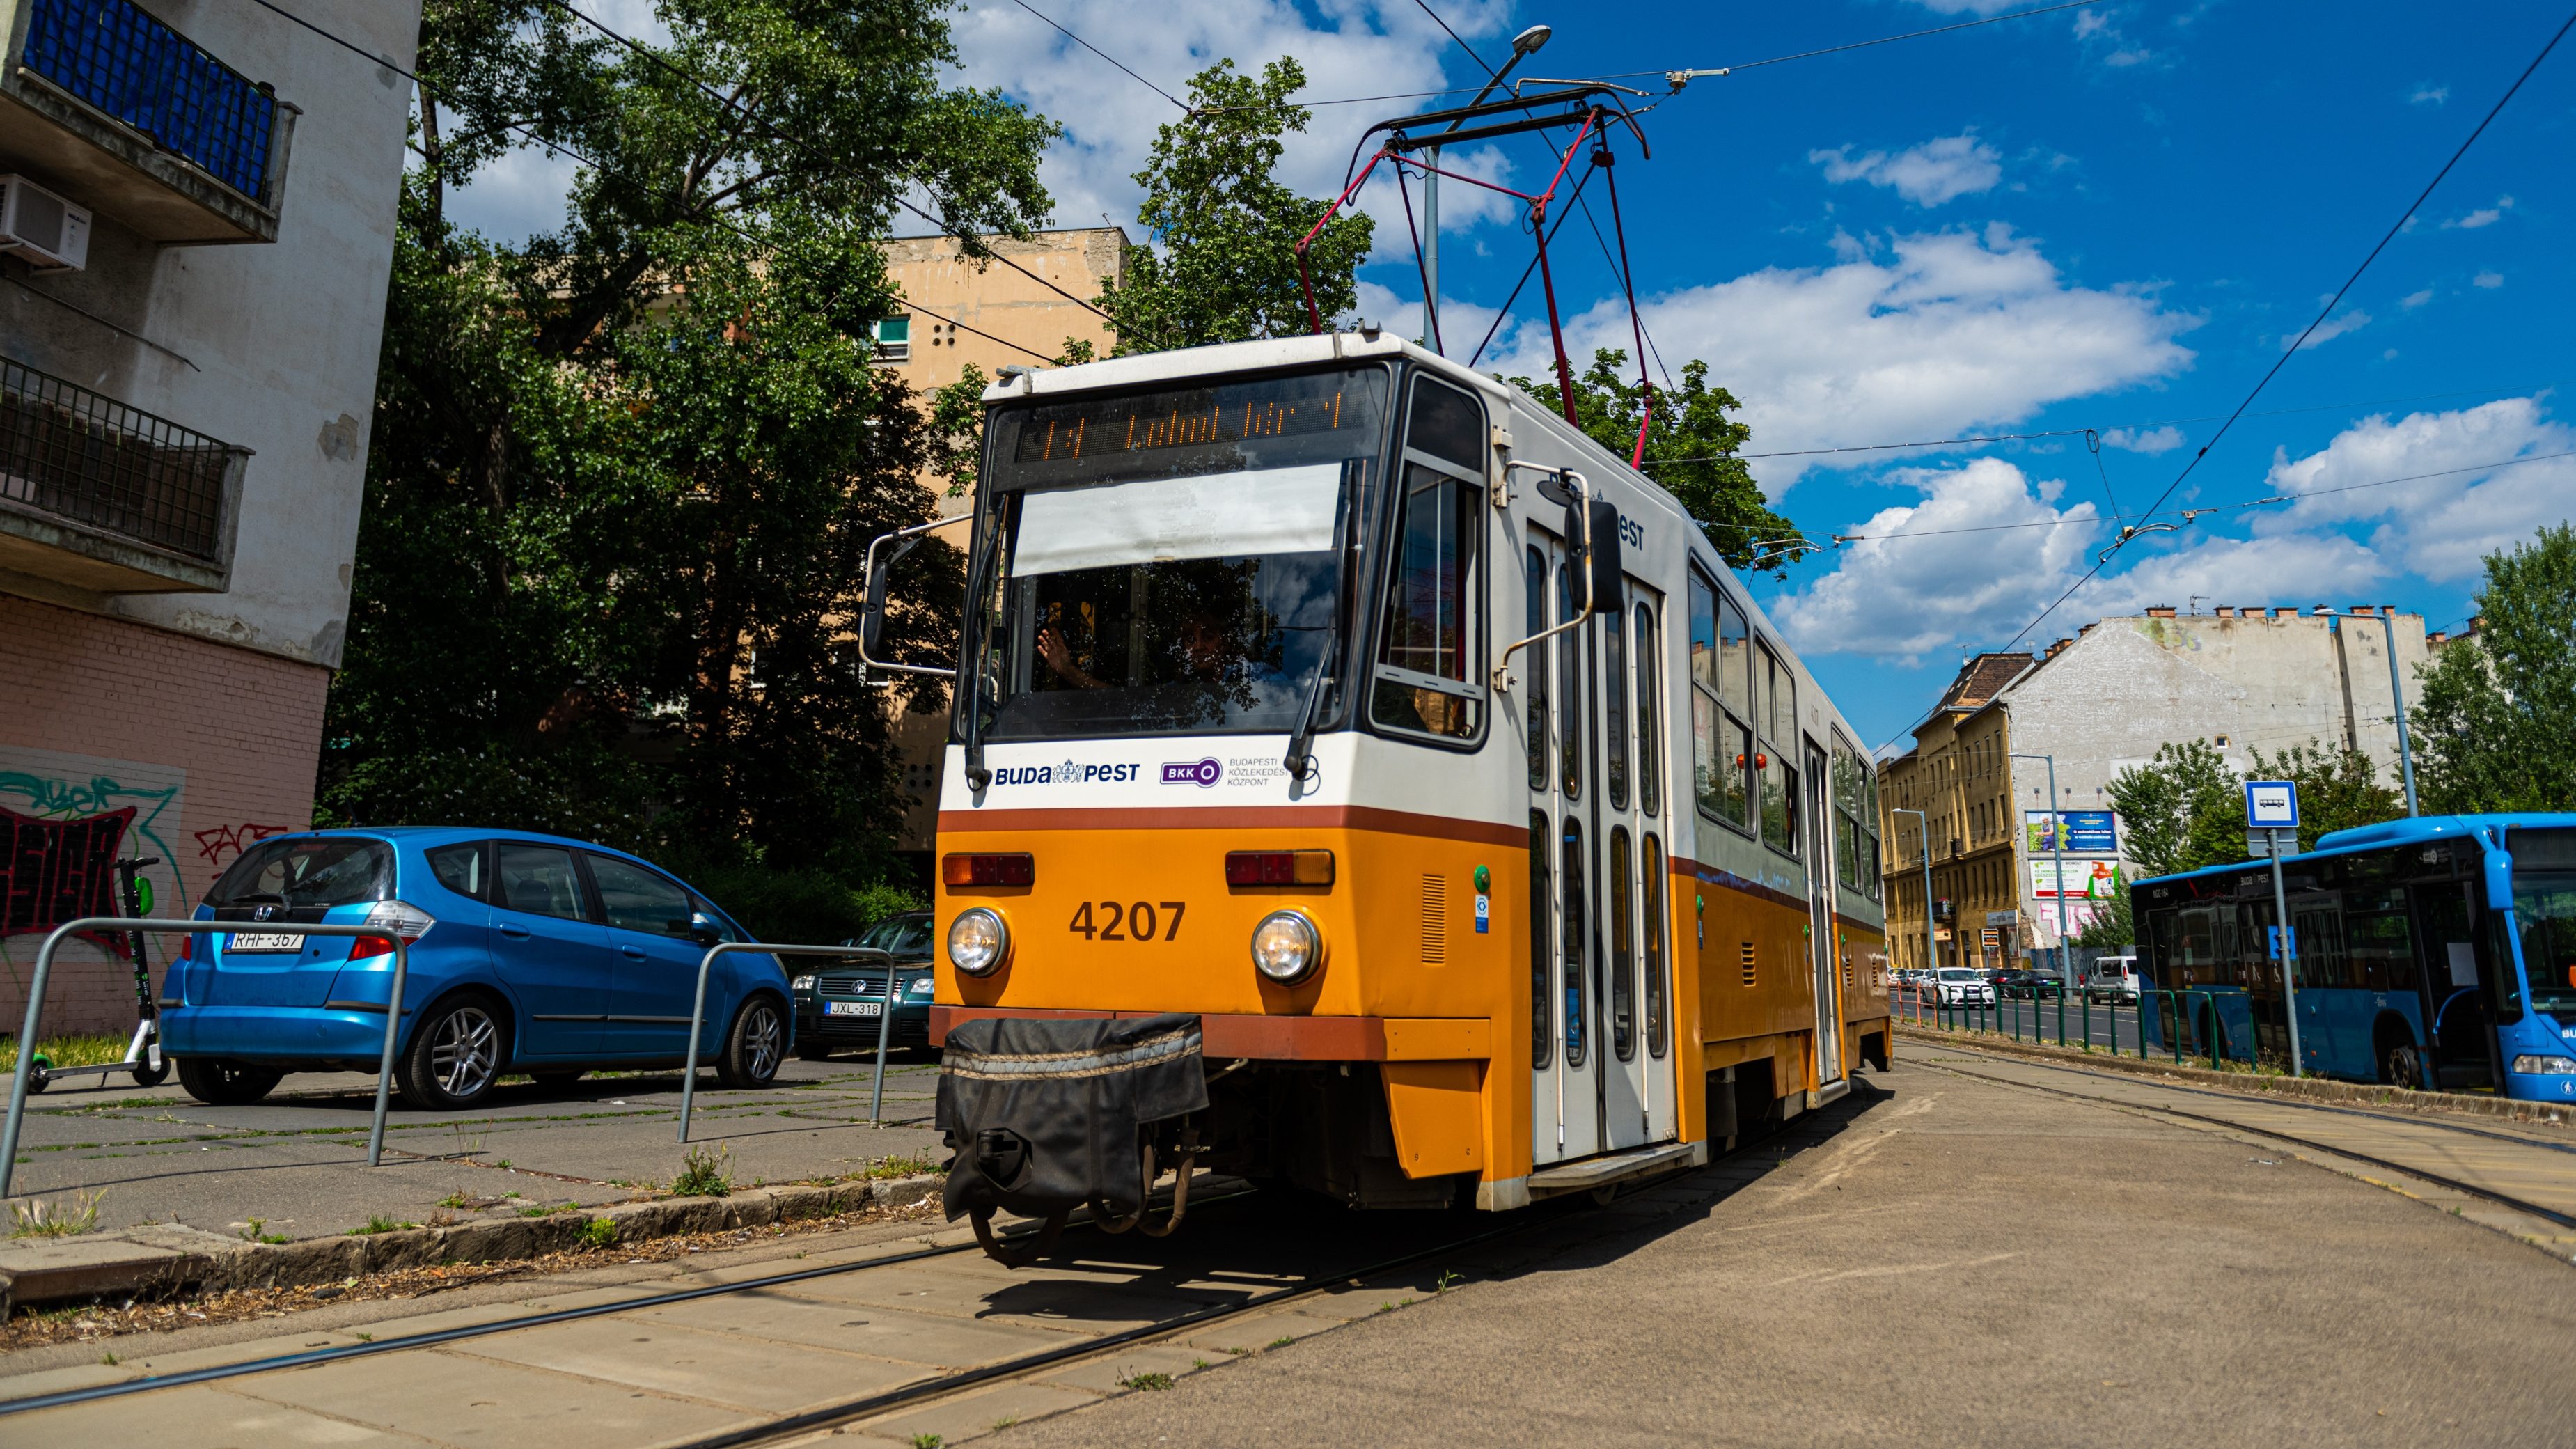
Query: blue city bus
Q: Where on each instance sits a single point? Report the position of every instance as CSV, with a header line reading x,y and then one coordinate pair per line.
x,y
2437,952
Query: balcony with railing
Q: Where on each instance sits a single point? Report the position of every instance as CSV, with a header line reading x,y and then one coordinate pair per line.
x,y
121,113
101,498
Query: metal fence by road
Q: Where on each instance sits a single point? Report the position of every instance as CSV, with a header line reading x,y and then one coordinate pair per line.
x,y
2190,1024
120,924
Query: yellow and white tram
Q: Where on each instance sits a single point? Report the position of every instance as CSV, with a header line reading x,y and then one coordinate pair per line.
x,y
1493,861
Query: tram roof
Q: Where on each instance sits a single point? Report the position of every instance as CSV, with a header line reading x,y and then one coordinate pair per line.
x,y
2395,832
1146,368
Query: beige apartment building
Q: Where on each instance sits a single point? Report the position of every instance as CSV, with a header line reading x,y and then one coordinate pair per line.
x,y
2089,707
993,316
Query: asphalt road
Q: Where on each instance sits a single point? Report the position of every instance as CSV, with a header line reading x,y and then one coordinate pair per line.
x,y
1962,1262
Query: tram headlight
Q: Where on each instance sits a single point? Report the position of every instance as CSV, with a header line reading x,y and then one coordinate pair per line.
x,y
977,941
1286,947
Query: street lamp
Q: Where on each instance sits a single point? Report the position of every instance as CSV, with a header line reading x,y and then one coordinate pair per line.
x,y
1931,961
2405,754
1524,45
2057,852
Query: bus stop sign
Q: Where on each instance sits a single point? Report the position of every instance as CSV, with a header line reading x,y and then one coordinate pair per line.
x,y
2271,805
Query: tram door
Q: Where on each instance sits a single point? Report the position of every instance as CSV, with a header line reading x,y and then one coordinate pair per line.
x,y
1822,950
1601,1004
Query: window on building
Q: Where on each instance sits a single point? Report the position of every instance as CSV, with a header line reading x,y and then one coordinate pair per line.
x,y
894,339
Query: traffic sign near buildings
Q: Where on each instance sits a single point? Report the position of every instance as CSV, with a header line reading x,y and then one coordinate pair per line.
x,y
2271,804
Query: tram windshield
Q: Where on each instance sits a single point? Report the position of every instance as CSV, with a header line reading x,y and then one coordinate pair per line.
x,y
2544,908
1170,561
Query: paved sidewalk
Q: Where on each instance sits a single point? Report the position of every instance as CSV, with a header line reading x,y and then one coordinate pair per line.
x,y
296,1163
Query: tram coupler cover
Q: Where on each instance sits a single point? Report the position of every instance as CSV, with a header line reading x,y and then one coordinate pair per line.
x,y
1045,1115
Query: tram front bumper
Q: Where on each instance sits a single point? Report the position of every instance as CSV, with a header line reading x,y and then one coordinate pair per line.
x,y
1044,1115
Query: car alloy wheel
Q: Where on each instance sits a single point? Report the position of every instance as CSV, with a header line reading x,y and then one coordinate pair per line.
x,y
761,1040
465,1051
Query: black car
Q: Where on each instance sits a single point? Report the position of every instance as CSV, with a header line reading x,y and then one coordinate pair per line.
x,y
839,1003
2031,985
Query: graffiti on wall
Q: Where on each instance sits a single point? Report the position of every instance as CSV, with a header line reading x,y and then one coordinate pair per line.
x,y
222,843
64,821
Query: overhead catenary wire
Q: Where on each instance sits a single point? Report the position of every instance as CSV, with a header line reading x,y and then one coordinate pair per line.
x,y
734,107
2323,313
538,138
1104,55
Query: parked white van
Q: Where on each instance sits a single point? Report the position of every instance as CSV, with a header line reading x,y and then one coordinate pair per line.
x,y
2112,978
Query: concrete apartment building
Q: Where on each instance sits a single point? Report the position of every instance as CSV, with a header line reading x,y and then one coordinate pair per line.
x,y
2244,679
192,293
928,349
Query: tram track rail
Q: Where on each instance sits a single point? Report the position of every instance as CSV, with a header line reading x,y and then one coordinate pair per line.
x,y
2482,1191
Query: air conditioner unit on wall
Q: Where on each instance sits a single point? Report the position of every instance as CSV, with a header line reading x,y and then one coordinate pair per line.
x,y
49,232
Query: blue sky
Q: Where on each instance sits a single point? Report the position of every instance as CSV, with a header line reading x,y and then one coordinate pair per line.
x,y
2111,217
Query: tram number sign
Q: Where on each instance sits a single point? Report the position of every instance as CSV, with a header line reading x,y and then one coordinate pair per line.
x,y
1138,921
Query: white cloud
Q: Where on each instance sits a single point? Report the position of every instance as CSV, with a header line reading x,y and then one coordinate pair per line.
x,y
2483,216
2438,527
1942,169
1357,47
1910,587
2413,300
2089,23
2488,279
2328,330
2150,441
1927,335
2429,95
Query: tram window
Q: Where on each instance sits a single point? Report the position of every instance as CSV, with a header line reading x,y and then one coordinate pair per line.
x,y
1856,819
1571,955
1535,704
1569,714
1426,676
1623,948
1542,1005
1782,696
1655,967
1650,725
1447,424
1614,696
1722,755
1779,804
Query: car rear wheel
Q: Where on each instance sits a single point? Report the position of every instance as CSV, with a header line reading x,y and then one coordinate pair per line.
x,y
219,1083
754,1046
455,1057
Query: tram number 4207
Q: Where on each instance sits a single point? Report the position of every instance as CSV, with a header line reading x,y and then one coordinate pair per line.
x,y
1137,922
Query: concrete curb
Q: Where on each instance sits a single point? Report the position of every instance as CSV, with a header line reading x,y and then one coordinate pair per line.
x,y
165,1257
2315,1089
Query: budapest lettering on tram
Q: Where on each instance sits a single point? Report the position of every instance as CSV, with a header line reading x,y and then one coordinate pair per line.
x,y
1362,782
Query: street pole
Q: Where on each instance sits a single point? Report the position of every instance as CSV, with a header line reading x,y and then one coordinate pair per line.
x,y
2289,956
1931,962
1524,45
2397,694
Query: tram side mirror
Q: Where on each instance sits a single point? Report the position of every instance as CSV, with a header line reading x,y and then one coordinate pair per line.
x,y
1602,567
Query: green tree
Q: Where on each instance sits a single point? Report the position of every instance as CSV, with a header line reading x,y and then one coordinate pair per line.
x,y
2495,725
2182,810
623,473
2338,789
1691,445
1222,263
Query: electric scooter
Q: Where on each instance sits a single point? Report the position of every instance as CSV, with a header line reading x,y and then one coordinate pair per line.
x,y
143,1054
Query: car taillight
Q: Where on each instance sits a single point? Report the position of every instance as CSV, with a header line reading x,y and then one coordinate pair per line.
x,y
187,948
1278,867
1013,869
398,918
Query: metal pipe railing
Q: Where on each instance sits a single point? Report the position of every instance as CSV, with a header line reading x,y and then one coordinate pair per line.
x,y
698,1012
44,972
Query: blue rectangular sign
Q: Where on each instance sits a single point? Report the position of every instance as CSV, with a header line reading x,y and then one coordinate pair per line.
x,y
2271,805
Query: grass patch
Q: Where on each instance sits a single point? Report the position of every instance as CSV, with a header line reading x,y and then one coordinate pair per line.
x,y
602,1233
1282,1341
705,1174
379,1223
45,1218
927,1441
1146,1382
68,1051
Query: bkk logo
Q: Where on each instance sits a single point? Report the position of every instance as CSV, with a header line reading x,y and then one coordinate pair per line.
x,y
1071,772
1202,773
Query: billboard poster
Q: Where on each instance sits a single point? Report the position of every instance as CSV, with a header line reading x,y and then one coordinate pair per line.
x,y
2087,880
2088,832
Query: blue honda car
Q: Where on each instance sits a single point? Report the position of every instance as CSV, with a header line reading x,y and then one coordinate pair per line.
x,y
528,953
